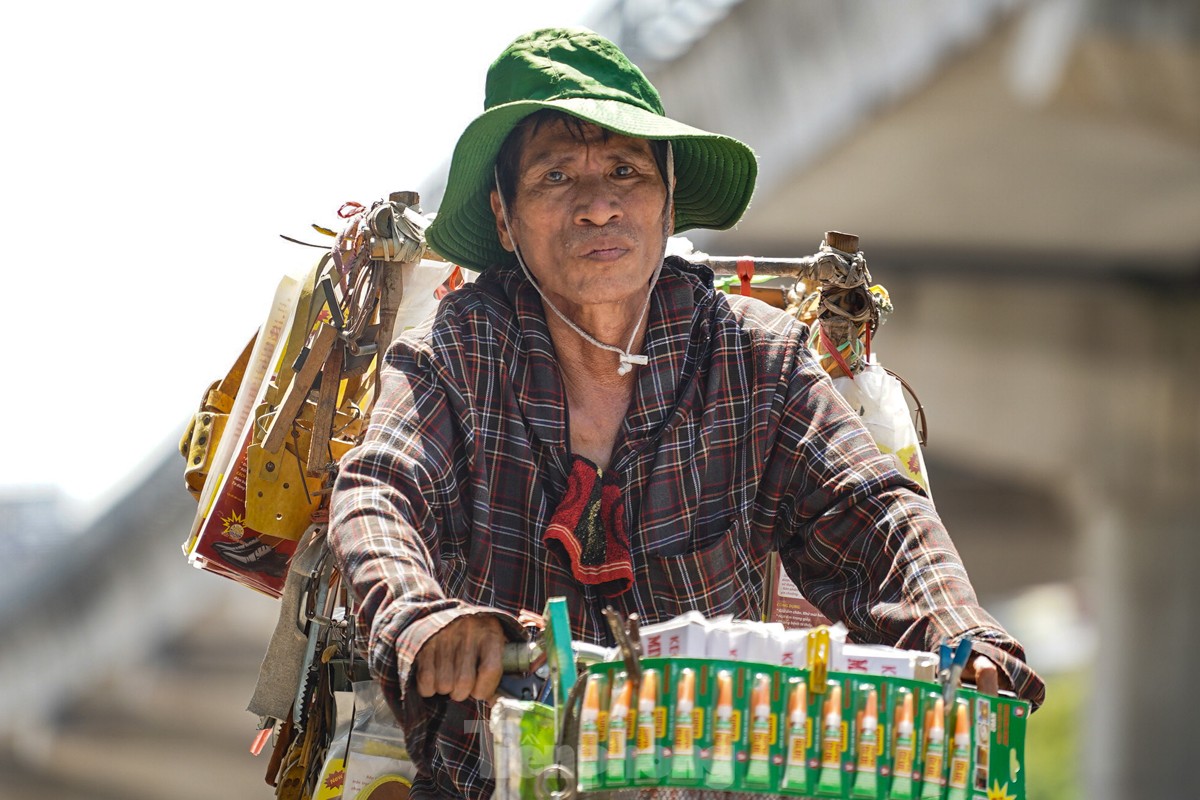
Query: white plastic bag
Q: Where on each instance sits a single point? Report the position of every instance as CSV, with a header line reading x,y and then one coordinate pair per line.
x,y
377,762
879,399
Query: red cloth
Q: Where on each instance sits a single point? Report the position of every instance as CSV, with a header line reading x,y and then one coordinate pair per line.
x,y
590,527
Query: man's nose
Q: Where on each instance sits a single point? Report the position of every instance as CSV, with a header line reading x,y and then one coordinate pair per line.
x,y
597,203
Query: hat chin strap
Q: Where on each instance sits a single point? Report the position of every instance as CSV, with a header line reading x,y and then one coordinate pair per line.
x,y
627,360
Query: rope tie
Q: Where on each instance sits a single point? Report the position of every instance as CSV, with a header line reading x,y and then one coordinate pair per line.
x,y
398,233
841,269
834,351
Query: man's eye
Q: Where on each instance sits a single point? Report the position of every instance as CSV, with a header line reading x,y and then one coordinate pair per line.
x,y
556,176
624,171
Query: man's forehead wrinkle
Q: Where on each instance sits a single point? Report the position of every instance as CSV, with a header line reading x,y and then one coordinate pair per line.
x,y
558,151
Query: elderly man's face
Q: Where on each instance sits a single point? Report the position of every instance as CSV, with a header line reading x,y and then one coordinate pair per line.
x,y
589,215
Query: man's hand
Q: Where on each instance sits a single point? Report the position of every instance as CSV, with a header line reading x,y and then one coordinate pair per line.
x,y
983,673
462,660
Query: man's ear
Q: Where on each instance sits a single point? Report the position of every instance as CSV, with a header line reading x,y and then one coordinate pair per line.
x,y
501,228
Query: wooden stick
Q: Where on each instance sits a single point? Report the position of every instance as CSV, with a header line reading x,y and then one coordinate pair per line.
x,y
298,391
331,384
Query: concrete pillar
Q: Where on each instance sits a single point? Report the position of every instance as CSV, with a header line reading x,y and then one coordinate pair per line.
x,y
1137,500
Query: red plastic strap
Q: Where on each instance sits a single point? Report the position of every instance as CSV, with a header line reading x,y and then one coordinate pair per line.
x,y
260,741
451,283
868,340
349,209
745,273
833,352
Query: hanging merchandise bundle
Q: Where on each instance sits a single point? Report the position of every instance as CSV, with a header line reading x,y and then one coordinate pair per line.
x,y
261,453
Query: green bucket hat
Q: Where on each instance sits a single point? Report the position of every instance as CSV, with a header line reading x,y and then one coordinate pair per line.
x,y
579,72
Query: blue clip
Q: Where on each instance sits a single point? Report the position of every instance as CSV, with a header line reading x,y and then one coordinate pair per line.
x,y
955,665
962,653
945,657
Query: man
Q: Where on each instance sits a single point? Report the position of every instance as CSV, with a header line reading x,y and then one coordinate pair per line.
x,y
593,421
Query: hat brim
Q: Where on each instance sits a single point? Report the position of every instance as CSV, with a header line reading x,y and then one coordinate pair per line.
x,y
714,174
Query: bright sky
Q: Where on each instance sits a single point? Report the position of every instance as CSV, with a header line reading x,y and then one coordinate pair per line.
x,y
153,151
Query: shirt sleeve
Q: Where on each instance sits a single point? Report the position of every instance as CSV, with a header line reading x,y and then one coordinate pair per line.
x,y
384,528
866,546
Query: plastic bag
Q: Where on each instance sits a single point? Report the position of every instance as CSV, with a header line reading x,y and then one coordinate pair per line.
x,y
377,762
879,399
523,732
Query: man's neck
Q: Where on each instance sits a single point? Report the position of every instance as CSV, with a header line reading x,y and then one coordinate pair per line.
x,y
598,398
582,358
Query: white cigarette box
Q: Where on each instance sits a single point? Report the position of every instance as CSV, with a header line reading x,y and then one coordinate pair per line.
x,y
877,659
683,636
793,648
717,631
764,642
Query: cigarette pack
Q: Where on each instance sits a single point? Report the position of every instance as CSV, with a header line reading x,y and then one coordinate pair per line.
x,y
740,633
764,642
718,641
875,659
684,636
793,648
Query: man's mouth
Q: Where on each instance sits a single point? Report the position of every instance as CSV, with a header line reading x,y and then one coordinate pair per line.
x,y
606,253
605,250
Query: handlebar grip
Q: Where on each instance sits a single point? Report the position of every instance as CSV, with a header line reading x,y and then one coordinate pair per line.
x,y
518,657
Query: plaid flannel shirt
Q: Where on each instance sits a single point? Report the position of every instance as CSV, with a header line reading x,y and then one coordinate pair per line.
x,y
736,445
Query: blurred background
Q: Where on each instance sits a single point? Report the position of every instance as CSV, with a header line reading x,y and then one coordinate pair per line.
x,y
1025,179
